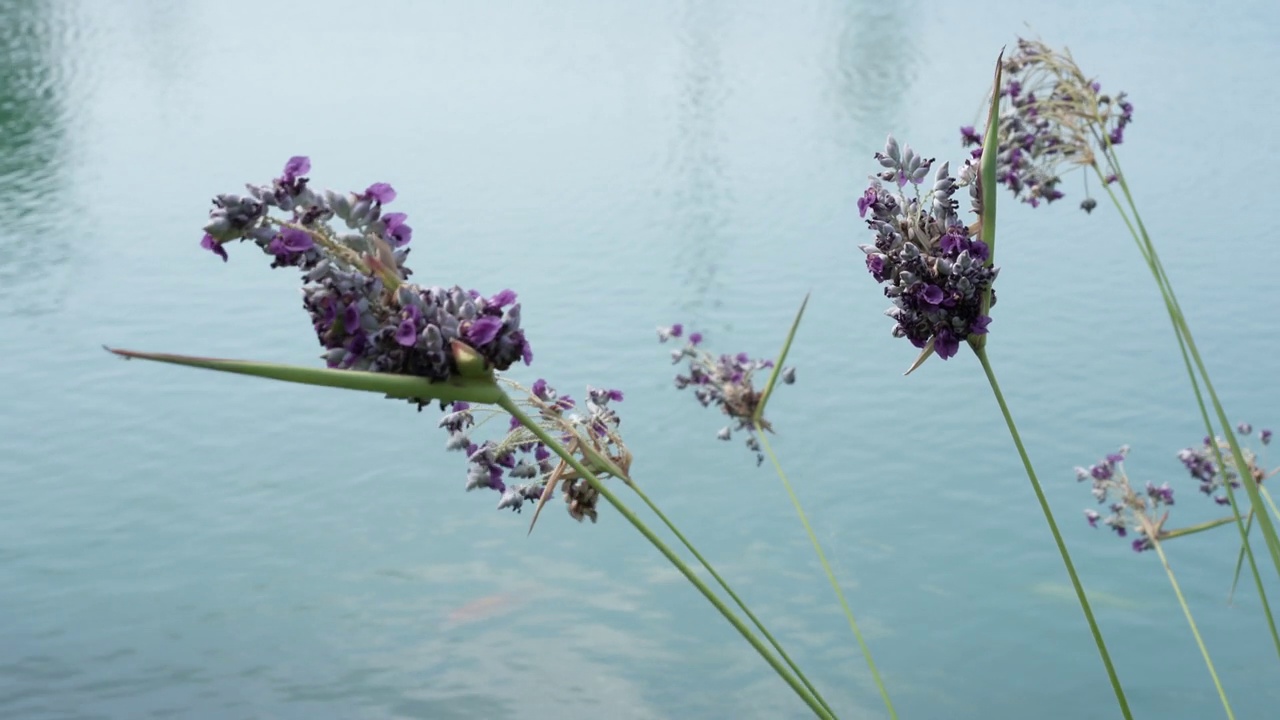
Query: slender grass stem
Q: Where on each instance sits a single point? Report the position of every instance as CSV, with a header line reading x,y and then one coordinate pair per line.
x,y
826,567
1235,579
506,403
600,461
1057,536
1186,346
1139,232
732,595
1266,495
1208,661
1197,528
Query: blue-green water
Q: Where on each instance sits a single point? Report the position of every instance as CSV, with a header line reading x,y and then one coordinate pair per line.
x,y
183,543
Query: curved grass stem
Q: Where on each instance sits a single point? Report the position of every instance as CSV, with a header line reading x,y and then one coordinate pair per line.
x,y
508,404
1193,363
1138,230
981,352
732,595
1186,610
826,567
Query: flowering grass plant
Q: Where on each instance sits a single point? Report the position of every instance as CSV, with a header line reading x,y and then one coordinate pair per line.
x,y
931,246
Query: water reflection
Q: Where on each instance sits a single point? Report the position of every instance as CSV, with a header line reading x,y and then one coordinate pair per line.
x,y
32,149
701,195
874,68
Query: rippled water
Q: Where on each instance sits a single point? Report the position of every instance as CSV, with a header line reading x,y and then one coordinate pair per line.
x,y
181,543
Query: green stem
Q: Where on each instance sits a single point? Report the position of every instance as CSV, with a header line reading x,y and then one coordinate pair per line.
x,y
826,567
1266,495
506,403
733,595
1186,345
1222,694
1235,579
1057,536
1198,528
1147,247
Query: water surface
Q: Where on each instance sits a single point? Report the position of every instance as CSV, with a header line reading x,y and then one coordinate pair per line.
x,y
181,543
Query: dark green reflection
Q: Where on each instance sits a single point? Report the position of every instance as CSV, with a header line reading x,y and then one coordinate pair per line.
x,y
701,197
32,129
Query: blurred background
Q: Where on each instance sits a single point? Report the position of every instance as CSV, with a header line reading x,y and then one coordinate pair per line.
x,y
181,543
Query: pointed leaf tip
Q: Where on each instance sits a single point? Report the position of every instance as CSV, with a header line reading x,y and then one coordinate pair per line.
x,y
782,358
924,355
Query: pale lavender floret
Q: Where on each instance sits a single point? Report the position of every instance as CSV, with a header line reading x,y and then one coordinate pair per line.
x,y
381,193
209,243
398,233
296,167
1128,510
1050,126
726,382
483,330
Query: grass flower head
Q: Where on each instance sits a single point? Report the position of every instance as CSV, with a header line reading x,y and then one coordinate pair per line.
x,y
934,268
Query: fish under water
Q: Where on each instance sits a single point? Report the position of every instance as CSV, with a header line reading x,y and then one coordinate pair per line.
x,y
1065,592
485,607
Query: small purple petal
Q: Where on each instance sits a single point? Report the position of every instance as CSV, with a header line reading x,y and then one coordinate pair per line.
x,y
351,318
875,264
979,325
866,201
381,193
931,294
539,389
297,166
695,338
398,233
502,299
213,246
407,333
945,344
677,330
295,240
483,330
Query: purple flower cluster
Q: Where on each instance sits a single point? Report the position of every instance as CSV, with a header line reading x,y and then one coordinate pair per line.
x,y
934,271
725,381
1201,463
519,466
1129,511
365,314
1053,117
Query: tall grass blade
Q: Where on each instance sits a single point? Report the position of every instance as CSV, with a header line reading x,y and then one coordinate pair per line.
x,y
408,387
